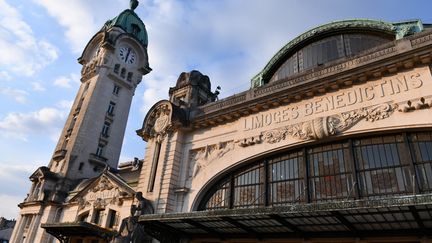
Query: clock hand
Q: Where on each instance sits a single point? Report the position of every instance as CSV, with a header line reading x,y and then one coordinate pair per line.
x,y
127,55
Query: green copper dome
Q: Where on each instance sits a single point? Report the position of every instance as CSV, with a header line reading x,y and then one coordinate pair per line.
x,y
129,21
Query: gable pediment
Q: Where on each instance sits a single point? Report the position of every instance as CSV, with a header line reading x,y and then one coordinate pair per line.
x,y
104,190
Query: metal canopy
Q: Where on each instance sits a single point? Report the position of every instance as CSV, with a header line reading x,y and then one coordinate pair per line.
x,y
403,215
63,231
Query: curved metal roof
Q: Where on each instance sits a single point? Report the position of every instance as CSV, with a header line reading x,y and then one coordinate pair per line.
x,y
398,29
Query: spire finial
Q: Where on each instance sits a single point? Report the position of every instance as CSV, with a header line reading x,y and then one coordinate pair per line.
x,y
133,4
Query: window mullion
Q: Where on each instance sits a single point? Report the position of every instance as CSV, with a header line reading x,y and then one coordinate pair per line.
x,y
306,176
231,199
353,165
409,156
266,183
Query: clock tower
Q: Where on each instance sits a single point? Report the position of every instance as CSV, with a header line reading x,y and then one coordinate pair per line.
x,y
113,64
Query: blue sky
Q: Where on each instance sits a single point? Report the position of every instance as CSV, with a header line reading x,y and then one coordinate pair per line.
x,y
229,40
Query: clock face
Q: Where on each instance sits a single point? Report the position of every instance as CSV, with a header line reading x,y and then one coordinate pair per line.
x,y
127,55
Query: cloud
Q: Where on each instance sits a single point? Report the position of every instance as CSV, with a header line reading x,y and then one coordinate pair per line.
x,y
44,121
9,206
155,90
18,95
229,52
65,104
37,86
63,82
67,81
5,76
21,52
10,196
81,18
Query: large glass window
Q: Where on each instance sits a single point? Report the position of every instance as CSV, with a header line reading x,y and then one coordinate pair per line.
x,y
330,174
421,144
220,198
286,179
382,167
248,187
351,169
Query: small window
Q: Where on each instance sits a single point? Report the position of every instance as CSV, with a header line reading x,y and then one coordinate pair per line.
x,y
135,29
97,217
123,72
116,89
99,150
83,217
37,190
81,165
129,76
116,68
105,129
111,218
28,221
111,108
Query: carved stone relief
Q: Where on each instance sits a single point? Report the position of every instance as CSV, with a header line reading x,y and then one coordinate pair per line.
x,y
418,104
163,120
103,194
327,126
158,123
250,141
104,184
202,157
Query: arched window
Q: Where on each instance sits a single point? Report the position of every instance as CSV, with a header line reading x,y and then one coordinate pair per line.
x,y
129,76
326,50
36,191
123,73
116,68
369,167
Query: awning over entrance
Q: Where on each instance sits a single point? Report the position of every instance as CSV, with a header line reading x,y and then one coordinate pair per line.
x,y
63,231
402,215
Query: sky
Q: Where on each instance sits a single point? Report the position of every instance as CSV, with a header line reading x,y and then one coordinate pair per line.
x,y
228,40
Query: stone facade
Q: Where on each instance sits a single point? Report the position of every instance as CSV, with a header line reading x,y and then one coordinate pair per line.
x,y
190,186
383,90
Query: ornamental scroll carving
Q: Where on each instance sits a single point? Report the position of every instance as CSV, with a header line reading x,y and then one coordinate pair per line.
x,y
202,157
328,126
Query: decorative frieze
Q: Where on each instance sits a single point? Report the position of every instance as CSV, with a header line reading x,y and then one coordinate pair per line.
x,y
419,41
202,157
418,104
322,127
250,141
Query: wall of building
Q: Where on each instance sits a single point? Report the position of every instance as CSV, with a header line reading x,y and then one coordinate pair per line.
x,y
393,102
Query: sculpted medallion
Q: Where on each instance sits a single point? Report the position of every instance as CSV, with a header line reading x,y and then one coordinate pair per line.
x,y
162,121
